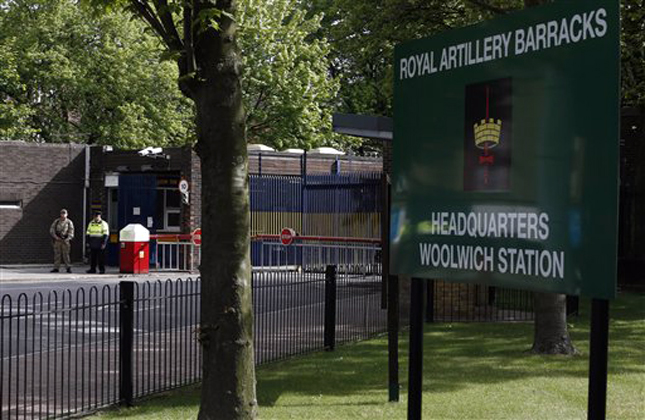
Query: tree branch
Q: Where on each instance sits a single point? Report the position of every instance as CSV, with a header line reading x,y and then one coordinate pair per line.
x,y
147,14
186,62
263,123
165,16
161,21
188,38
249,115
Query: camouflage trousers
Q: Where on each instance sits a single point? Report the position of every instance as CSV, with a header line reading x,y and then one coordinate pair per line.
x,y
61,251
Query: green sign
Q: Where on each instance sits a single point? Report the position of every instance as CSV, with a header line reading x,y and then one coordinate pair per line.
x,y
506,151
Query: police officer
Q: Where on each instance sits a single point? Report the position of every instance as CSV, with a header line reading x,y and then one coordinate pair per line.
x,y
62,232
97,237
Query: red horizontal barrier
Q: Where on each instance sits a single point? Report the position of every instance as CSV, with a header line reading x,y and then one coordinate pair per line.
x,y
169,237
322,239
166,237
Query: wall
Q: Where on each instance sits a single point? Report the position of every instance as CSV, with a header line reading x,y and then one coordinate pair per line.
x,y
193,218
44,178
278,163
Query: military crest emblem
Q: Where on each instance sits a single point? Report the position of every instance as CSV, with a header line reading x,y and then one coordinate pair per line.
x,y
488,136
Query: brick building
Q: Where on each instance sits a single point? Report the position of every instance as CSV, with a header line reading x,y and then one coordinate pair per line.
x,y
37,180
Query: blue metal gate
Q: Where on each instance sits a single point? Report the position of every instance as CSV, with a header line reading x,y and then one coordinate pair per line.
x,y
137,203
338,205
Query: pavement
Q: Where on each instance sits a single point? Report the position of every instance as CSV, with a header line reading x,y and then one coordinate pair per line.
x,y
26,273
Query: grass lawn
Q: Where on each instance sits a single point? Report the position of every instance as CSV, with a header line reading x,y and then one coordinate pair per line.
x,y
471,371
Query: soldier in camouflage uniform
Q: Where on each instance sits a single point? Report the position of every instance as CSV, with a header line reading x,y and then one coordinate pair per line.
x,y
62,232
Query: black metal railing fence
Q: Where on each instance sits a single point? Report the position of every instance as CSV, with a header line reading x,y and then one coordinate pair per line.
x,y
59,352
72,352
65,353
464,302
165,351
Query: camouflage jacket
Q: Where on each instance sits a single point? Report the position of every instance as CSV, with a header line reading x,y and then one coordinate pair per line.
x,y
63,229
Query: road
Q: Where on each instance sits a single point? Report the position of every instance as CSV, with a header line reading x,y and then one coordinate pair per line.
x,y
58,360
41,308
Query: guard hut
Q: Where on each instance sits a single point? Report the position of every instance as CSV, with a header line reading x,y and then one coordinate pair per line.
x,y
157,188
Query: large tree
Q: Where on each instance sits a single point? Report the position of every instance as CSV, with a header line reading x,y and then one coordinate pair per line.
x,y
202,37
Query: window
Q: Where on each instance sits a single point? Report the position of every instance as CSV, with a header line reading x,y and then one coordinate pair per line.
x,y
173,221
113,208
173,199
168,211
10,204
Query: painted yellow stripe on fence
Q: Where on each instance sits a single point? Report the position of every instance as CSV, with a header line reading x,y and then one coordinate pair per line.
x,y
356,225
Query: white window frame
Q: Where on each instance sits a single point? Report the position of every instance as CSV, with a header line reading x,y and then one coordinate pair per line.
x,y
169,210
11,204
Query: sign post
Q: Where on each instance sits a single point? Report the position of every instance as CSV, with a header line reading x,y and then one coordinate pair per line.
x,y
287,235
598,346
184,191
505,157
415,371
197,237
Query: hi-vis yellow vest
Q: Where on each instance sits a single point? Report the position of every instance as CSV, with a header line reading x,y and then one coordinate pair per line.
x,y
97,228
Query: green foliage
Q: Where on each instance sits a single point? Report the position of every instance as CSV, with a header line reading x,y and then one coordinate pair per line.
x,y
288,92
103,78
14,116
363,34
633,52
87,78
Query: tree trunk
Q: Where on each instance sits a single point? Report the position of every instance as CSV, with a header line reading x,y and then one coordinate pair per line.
x,y
551,333
226,330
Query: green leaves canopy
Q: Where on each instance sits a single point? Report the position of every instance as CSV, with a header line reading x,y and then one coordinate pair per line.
x,y
69,75
288,91
363,34
633,52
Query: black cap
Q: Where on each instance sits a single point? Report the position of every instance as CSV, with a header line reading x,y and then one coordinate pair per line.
x,y
97,213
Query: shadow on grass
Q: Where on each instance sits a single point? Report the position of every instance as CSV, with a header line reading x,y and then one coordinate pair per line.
x,y
456,355
183,400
